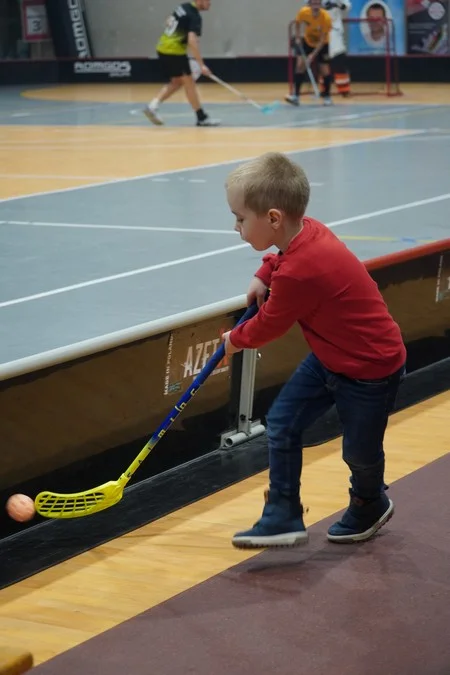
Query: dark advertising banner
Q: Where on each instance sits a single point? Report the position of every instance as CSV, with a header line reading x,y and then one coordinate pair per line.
x,y
104,70
67,20
427,24
188,350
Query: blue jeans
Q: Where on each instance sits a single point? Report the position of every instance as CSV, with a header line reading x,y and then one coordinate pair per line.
x,y
363,407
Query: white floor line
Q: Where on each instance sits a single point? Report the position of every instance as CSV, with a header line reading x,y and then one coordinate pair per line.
x,y
200,167
123,275
54,110
200,256
186,230
391,209
433,138
34,176
125,228
38,176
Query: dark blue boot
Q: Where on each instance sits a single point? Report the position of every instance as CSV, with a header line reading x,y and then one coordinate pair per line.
x,y
362,519
281,524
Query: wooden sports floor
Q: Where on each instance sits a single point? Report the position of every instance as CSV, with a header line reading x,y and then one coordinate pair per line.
x,y
43,151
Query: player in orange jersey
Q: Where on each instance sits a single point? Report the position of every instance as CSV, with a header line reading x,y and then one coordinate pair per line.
x,y
312,33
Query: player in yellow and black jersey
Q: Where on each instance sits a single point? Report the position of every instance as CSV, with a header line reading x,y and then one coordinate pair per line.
x,y
312,31
181,34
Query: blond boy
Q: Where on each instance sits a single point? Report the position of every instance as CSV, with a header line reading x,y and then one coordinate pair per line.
x,y
357,353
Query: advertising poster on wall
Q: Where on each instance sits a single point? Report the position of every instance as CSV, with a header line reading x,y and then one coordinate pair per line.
x,y
427,26
368,34
34,21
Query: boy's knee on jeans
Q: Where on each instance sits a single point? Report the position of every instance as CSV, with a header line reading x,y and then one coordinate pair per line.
x,y
360,466
363,454
280,431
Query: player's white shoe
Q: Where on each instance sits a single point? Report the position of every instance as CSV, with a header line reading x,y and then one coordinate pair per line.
x,y
151,113
292,99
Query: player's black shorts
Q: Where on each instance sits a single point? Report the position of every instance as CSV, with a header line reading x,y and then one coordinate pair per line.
x,y
323,56
339,63
174,65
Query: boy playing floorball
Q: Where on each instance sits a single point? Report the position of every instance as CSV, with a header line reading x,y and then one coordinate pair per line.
x,y
357,353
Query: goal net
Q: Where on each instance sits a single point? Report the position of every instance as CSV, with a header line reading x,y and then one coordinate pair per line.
x,y
371,60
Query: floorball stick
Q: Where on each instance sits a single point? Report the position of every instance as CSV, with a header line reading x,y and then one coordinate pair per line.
x,y
78,504
267,109
312,79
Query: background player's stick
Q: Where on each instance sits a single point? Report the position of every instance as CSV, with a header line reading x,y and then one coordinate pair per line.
x,y
267,109
78,504
312,79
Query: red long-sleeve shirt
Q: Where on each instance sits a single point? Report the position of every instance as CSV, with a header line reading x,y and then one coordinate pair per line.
x,y
321,285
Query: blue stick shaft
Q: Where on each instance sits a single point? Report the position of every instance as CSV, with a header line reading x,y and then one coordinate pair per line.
x,y
206,371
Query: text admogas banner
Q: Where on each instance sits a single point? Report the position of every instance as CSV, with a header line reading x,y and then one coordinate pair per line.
x,y
370,35
97,70
104,70
427,25
68,27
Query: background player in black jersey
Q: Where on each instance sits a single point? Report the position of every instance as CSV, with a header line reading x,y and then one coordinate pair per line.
x,y
183,28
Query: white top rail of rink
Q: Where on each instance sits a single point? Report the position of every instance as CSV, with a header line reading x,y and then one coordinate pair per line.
x,y
102,343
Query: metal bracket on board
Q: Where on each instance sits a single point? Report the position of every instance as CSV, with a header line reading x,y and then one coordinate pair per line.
x,y
247,428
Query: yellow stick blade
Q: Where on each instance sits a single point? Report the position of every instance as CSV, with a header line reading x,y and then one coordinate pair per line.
x,y
78,504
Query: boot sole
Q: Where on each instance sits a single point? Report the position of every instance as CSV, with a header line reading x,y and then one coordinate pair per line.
x,y
364,536
288,540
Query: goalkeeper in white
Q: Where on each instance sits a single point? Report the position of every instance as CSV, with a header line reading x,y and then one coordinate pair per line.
x,y
337,46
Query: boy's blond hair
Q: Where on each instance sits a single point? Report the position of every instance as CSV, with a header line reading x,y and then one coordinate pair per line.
x,y
272,181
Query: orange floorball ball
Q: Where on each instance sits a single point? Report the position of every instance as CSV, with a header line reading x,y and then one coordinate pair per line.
x,y
20,508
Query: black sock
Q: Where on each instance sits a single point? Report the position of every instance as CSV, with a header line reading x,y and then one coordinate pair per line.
x,y
326,85
201,115
298,81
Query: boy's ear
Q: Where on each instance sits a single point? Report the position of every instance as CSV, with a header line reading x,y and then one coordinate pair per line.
x,y
274,217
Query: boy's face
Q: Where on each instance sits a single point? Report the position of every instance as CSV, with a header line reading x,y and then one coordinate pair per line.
x,y
258,231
